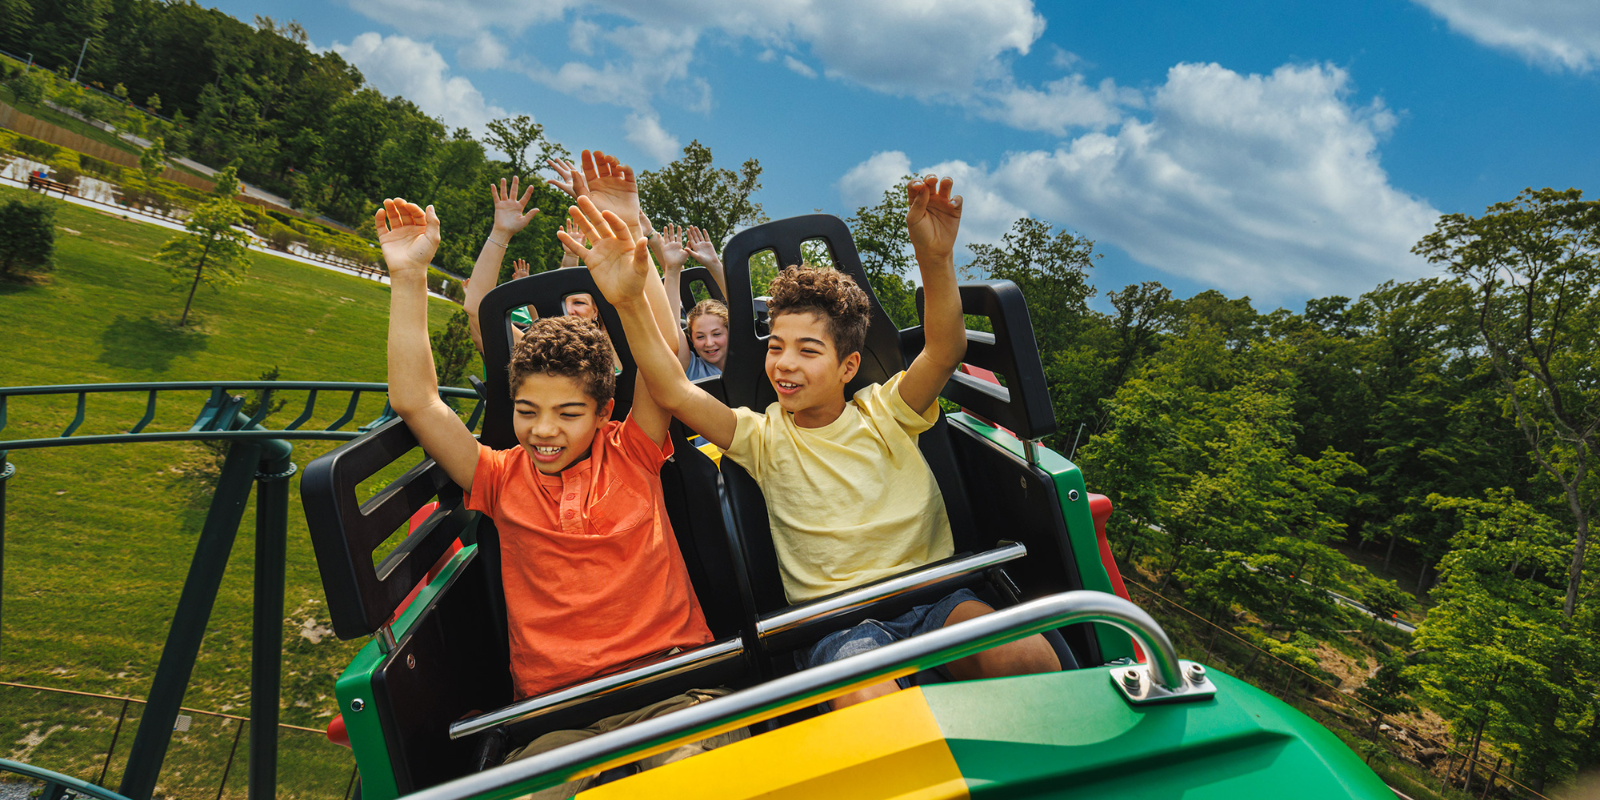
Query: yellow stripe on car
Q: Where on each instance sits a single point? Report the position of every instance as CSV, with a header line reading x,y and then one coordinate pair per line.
x,y
890,747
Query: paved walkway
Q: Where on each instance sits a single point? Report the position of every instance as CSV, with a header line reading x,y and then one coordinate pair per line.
x,y
255,244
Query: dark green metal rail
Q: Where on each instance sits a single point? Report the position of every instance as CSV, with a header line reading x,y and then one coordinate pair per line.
x,y
255,453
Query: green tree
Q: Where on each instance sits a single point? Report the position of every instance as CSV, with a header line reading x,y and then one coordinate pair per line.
x,y
28,246
153,161
29,87
453,351
212,250
226,183
884,246
1388,691
694,191
514,135
1535,265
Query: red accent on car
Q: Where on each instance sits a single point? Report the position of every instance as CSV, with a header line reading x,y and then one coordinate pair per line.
x,y
1100,508
336,732
433,572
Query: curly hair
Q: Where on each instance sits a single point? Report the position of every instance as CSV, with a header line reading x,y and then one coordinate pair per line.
x,y
713,307
829,293
572,347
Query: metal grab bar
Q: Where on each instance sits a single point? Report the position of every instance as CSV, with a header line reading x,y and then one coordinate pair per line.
x,y
800,689
704,656
850,600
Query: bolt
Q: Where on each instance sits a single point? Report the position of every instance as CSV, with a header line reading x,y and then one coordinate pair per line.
x,y
1072,495
1197,674
1132,680
357,704
411,660
1023,480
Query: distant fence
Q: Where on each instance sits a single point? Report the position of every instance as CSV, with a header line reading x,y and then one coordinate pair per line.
x,y
57,135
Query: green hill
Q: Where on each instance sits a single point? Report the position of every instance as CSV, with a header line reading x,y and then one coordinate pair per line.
x,y
98,539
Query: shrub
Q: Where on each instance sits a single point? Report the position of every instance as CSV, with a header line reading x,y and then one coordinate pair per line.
x,y
30,242
28,88
33,148
104,170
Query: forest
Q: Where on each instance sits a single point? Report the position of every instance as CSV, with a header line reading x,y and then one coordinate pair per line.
x,y
1425,448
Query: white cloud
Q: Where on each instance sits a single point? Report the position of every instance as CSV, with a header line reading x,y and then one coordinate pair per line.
x,y
986,214
416,71
433,17
1555,34
1058,107
925,48
484,52
1265,185
799,67
646,133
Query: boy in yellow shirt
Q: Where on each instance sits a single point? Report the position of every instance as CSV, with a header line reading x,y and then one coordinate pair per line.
x,y
849,497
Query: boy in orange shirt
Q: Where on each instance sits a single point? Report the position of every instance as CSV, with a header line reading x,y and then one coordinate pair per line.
x,y
592,573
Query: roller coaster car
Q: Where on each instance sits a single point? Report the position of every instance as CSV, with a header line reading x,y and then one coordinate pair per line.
x,y
429,700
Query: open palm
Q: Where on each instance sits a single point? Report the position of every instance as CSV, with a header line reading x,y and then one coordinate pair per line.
x,y
618,262
408,236
934,217
673,255
611,185
703,249
508,206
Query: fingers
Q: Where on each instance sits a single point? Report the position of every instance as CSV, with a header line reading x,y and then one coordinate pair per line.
x,y
516,181
589,170
641,256
618,228
627,173
380,220
586,215
572,245
944,189
527,194
497,191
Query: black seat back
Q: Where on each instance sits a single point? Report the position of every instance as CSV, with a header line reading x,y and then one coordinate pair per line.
x,y
702,277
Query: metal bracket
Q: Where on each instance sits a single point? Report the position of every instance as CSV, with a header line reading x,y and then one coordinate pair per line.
x,y
386,640
1136,685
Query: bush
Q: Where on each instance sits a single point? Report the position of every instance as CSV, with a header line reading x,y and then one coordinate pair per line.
x,y
29,89
29,245
104,170
278,237
39,151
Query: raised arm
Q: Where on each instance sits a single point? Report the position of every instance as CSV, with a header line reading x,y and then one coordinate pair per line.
x,y
409,236
509,220
670,254
933,220
621,268
705,251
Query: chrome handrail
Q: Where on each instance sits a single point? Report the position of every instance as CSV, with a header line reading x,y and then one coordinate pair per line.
x,y
704,656
811,686
852,599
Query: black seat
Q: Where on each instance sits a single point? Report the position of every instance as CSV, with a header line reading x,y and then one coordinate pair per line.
x,y
698,276
993,498
444,690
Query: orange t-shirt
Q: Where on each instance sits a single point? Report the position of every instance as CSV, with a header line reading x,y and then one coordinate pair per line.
x,y
592,573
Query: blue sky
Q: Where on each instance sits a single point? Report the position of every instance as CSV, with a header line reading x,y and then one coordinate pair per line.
x,y
1277,150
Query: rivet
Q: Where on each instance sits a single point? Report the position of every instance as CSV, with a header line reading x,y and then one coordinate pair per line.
x,y
411,660
357,704
1023,480
1073,495
1132,679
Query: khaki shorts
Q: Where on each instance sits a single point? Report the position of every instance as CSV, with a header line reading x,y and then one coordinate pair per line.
x,y
554,739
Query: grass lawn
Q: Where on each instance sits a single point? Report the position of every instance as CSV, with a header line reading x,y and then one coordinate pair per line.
x,y
98,539
61,120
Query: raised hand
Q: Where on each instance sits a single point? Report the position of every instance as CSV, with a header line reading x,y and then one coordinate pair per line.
x,y
702,248
568,259
408,236
611,185
934,216
564,172
508,216
619,262
519,269
672,254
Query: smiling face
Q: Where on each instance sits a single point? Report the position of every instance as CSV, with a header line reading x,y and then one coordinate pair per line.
x,y
710,339
804,367
580,305
556,420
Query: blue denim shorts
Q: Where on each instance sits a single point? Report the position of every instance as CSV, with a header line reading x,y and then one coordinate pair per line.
x,y
873,634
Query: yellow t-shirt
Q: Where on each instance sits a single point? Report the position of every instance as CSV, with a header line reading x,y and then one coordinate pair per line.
x,y
850,502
